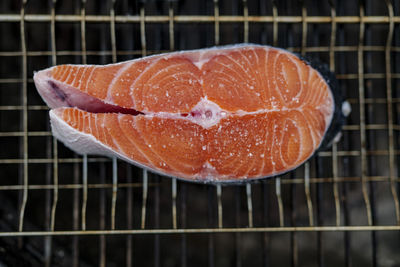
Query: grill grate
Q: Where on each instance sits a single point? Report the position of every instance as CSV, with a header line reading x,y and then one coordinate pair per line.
x,y
341,207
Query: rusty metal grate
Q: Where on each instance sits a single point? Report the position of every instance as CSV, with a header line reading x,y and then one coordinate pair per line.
x,y
341,207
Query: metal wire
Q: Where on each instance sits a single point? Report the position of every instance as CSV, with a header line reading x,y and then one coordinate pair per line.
x,y
360,60
84,192
208,230
334,145
197,19
392,165
144,199
24,117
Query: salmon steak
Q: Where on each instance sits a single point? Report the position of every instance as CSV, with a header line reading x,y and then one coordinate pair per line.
x,y
221,114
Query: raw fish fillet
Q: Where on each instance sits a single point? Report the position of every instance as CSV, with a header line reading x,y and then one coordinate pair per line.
x,y
219,114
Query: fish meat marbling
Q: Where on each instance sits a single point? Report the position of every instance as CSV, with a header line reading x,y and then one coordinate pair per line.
x,y
221,114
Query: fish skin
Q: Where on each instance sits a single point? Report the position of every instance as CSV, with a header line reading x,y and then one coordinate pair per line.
x,y
215,164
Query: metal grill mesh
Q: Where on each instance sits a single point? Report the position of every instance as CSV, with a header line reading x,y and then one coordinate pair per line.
x,y
340,208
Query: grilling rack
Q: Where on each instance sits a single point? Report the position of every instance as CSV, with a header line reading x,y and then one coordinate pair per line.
x,y
60,209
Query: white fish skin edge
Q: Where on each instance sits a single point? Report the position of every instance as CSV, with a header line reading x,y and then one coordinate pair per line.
x,y
80,142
